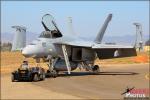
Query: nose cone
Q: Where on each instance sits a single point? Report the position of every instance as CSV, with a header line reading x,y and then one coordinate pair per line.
x,y
27,52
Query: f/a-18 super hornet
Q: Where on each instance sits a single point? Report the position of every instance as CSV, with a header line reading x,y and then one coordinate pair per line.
x,y
66,52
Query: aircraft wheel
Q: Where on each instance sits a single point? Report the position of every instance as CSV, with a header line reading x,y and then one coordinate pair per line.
x,y
43,76
96,69
54,73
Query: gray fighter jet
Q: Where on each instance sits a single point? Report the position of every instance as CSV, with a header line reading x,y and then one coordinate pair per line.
x,y
66,52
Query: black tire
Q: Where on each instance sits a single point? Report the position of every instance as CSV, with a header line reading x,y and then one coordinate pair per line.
x,y
42,76
30,78
96,69
12,78
35,78
48,74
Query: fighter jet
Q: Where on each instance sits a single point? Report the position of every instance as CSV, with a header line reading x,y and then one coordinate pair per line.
x,y
66,52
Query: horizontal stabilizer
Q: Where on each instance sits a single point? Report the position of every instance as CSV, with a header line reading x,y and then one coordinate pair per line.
x,y
115,53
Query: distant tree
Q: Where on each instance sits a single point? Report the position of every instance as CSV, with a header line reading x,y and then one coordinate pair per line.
x,y
6,46
147,43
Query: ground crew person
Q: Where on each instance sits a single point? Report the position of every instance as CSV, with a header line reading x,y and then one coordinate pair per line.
x,y
25,64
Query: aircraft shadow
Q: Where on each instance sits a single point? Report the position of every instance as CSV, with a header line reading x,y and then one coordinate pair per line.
x,y
100,73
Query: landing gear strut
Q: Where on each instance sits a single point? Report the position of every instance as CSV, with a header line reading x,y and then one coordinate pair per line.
x,y
52,72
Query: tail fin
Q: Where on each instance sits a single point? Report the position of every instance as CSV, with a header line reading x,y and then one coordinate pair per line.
x,y
70,26
100,34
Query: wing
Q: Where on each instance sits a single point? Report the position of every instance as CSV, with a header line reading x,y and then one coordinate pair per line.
x,y
84,51
83,44
103,51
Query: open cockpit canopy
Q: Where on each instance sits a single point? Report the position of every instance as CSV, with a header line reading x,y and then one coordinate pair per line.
x,y
50,26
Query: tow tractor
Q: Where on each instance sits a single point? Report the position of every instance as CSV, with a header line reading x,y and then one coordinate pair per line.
x,y
24,73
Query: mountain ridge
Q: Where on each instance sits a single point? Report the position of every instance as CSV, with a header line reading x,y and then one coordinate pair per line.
x,y
125,39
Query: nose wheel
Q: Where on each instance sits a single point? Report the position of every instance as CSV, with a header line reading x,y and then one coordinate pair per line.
x,y
52,73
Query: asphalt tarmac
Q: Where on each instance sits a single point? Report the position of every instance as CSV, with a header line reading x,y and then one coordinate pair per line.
x,y
109,84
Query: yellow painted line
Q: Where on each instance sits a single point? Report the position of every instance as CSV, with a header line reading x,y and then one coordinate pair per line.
x,y
147,76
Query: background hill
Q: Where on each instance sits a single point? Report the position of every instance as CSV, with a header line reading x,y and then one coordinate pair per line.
x,y
125,39
8,37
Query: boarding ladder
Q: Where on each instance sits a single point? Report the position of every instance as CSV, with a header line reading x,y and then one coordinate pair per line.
x,y
66,58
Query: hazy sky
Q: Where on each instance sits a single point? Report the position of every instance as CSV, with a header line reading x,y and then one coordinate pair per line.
x,y
88,16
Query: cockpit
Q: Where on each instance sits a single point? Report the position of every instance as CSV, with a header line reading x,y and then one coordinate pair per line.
x,y
51,29
49,34
45,34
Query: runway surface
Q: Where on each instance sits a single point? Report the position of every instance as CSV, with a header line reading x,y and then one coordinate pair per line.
x,y
109,84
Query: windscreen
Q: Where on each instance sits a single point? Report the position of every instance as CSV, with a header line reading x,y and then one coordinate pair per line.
x,y
45,34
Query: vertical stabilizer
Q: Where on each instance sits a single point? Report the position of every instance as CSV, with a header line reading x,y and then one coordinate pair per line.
x,y
100,34
70,26
19,41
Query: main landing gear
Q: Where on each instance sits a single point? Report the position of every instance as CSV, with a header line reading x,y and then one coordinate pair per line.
x,y
89,66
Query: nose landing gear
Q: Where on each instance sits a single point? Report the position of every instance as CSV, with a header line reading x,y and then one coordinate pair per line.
x,y
52,72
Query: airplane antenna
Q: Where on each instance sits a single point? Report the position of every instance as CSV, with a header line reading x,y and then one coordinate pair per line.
x,y
70,26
